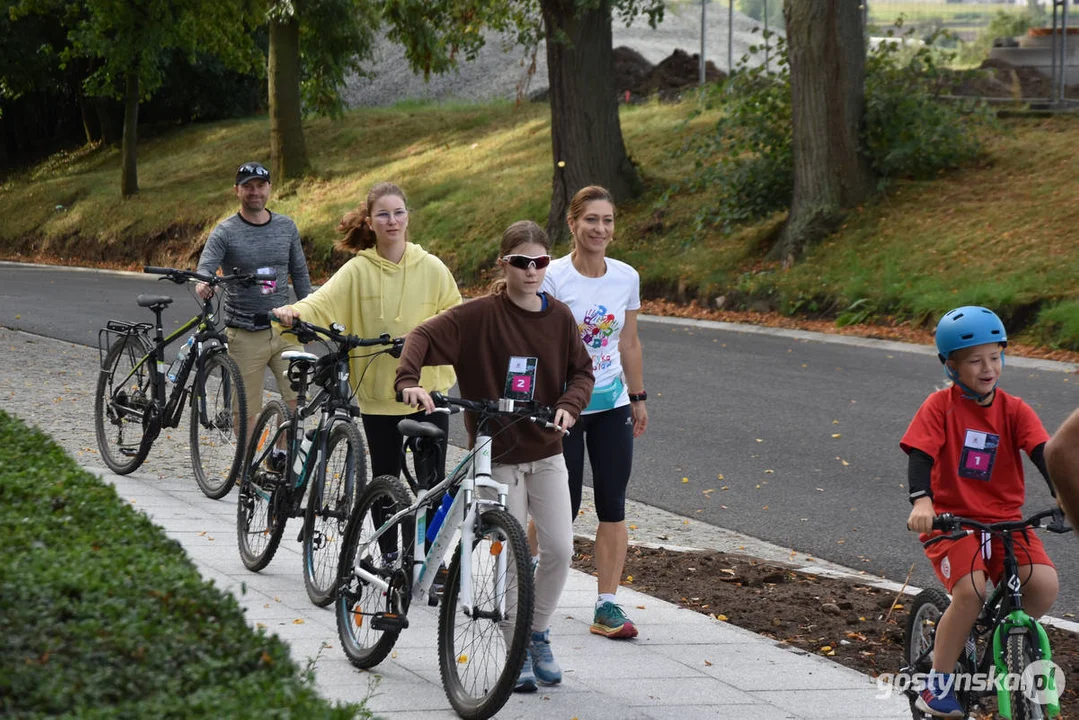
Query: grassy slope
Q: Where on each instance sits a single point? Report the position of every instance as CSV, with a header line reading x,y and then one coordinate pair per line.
x,y
999,233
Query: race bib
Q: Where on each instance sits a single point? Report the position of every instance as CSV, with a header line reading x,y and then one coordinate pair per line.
x,y
979,452
521,378
267,287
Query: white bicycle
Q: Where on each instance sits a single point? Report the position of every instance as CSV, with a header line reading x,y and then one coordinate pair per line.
x,y
485,616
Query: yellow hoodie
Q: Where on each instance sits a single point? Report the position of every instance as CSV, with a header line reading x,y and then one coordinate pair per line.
x,y
370,295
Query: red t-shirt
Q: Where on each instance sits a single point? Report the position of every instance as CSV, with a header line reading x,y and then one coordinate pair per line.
x,y
977,468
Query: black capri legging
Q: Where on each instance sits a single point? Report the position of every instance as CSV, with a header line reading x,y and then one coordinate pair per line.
x,y
384,442
609,438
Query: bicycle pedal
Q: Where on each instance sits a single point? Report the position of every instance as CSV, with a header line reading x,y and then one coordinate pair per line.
x,y
388,621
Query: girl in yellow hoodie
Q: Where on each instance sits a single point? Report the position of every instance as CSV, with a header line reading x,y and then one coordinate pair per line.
x,y
391,286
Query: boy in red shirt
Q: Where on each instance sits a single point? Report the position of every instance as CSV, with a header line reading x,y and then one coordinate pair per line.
x,y
963,446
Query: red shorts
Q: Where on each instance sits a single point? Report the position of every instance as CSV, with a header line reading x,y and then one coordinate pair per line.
x,y
955,559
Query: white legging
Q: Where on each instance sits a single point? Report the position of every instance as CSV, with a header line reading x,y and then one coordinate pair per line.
x,y
541,489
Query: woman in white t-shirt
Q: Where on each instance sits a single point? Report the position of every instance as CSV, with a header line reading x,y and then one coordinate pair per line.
x,y
604,295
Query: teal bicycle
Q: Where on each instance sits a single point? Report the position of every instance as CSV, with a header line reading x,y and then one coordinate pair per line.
x,y
1006,645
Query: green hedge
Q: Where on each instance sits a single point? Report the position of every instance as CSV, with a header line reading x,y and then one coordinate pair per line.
x,y
102,615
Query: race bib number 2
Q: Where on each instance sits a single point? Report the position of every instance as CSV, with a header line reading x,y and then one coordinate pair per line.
x,y
521,378
979,452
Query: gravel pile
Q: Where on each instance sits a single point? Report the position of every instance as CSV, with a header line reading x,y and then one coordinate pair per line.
x,y
501,69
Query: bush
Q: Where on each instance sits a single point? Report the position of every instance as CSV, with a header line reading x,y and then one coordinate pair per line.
x,y
744,164
102,615
909,132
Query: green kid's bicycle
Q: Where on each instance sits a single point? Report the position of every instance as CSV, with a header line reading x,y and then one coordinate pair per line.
x,y
1008,651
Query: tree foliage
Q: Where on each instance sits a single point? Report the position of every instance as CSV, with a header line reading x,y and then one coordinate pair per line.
x,y
744,163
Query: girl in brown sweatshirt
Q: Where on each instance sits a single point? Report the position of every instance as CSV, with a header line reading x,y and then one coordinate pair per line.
x,y
486,340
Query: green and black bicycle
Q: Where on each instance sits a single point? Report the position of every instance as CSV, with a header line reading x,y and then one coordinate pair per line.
x,y
1008,651
134,402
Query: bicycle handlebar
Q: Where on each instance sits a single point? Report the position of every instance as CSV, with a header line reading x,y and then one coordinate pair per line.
x,y
958,527
307,332
533,411
181,276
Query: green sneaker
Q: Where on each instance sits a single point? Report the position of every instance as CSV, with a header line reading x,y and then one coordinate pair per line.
x,y
611,621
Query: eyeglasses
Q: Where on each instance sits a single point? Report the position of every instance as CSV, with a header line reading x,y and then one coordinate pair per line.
x,y
253,169
524,262
398,215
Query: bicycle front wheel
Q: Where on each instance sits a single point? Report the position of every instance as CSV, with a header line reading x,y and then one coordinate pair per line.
x,y
366,615
328,509
263,506
218,425
126,418
1027,695
481,648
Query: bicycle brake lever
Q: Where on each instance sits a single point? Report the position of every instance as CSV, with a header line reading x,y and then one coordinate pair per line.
x,y
1059,523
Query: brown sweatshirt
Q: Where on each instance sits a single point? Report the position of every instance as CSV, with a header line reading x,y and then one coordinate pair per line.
x,y
479,338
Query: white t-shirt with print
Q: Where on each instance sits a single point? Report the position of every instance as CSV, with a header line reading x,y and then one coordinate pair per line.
x,y
599,305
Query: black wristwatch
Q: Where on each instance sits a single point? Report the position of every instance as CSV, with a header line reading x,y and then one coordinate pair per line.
x,y
638,397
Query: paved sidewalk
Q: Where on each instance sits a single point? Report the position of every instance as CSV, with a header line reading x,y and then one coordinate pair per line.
x,y
683,665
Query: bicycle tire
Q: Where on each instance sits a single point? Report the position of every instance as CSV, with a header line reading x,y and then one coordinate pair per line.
x,y
328,509
218,437
357,602
264,498
133,434
1019,654
478,664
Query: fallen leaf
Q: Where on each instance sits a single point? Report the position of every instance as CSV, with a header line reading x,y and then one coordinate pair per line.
x,y
685,480
837,435
298,621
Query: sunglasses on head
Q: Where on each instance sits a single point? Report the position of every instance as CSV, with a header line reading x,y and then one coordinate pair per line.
x,y
524,262
256,169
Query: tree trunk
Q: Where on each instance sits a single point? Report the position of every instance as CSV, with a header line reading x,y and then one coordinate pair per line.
x,y
91,124
586,136
129,174
826,51
288,152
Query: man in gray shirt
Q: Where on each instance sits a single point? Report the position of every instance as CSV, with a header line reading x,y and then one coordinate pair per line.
x,y
256,240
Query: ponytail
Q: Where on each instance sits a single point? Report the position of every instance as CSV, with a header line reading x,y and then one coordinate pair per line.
x,y
358,234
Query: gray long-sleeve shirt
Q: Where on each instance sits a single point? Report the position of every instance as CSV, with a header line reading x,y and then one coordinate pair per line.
x,y
274,246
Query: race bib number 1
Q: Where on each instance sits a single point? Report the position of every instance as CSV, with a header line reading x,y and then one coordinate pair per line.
x,y
521,378
979,452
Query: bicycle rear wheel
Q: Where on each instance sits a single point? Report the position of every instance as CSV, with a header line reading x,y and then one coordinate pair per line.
x,y
328,509
481,649
263,506
218,425
126,418
361,606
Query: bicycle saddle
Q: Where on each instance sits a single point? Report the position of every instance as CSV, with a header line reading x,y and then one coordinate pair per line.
x,y
414,428
152,300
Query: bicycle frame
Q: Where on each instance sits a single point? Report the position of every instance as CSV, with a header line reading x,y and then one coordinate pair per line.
x,y
425,564
1002,616
207,339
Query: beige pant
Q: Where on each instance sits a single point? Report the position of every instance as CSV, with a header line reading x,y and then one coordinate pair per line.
x,y
253,351
541,489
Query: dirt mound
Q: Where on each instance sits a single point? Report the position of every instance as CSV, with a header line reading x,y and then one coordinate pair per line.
x,y
999,79
674,74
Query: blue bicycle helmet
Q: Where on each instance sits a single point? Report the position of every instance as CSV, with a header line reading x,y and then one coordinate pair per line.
x,y
966,327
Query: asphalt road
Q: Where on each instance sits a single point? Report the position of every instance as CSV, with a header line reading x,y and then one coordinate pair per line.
x,y
791,438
